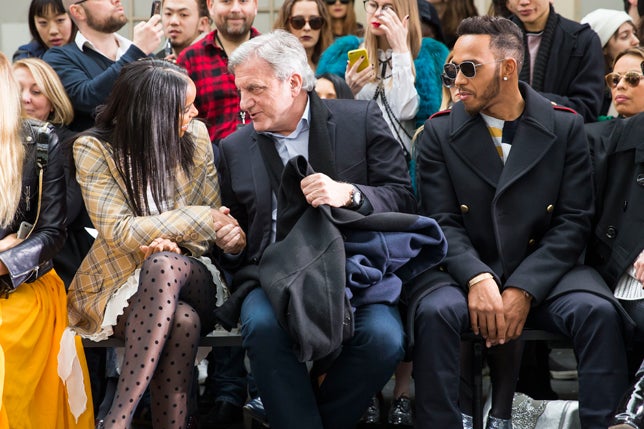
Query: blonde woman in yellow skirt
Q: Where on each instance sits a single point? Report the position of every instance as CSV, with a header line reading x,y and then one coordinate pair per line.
x,y
43,375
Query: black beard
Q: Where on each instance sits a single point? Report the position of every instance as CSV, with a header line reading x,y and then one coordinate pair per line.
x,y
491,91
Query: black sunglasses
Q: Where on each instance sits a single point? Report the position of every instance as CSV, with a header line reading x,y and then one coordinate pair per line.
x,y
330,2
298,22
468,68
632,78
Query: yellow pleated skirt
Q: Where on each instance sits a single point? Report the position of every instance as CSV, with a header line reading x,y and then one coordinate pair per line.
x,y
32,321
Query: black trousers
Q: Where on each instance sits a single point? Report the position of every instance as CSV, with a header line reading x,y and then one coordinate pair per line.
x,y
591,321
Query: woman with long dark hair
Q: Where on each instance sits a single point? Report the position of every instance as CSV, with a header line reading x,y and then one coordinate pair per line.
x,y
147,175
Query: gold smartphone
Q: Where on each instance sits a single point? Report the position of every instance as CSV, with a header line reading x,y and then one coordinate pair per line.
x,y
355,54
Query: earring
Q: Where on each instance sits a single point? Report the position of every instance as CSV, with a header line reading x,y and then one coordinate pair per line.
x,y
505,78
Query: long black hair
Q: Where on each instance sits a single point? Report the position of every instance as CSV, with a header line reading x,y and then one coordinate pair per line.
x,y
140,122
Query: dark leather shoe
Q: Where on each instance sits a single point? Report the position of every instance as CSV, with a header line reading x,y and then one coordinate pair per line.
x,y
372,415
400,413
631,408
223,415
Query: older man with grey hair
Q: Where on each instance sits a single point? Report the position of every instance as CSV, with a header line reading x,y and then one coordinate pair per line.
x,y
354,163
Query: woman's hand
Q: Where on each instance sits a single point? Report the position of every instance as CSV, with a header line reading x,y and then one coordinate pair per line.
x,y
159,245
358,79
229,236
9,242
395,30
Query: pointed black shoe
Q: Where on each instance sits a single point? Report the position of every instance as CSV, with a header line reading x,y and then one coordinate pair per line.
x,y
631,408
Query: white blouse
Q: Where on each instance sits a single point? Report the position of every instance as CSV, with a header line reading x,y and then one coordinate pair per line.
x,y
400,92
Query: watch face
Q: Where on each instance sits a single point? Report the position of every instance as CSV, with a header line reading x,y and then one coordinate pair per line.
x,y
357,197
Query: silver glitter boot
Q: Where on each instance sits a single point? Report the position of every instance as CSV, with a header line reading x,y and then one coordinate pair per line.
x,y
496,423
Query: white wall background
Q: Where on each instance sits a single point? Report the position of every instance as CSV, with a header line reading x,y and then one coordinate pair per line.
x,y
14,31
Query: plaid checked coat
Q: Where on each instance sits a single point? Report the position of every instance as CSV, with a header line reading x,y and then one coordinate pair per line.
x,y
115,253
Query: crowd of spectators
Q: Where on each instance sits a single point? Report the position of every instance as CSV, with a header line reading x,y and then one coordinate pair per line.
x,y
495,155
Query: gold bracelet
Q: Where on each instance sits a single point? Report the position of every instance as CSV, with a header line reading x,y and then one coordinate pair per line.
x,y
479,278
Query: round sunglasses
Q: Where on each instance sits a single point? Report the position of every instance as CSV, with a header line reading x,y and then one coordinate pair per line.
x,y
468,68
330,2
632,78
298,22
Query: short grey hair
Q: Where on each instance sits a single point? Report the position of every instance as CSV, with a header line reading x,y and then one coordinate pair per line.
x,y
282,51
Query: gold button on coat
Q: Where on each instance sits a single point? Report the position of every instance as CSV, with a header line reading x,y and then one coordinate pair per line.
x,y
531,242
550,208
464,208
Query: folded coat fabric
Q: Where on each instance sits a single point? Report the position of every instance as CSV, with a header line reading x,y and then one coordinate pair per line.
x,y
305,273
321,251
373,258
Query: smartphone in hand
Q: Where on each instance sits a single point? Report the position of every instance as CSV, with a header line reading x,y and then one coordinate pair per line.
x,y
156,8
24,229
355,54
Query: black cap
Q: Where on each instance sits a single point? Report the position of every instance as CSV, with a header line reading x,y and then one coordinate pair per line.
x,y
429,16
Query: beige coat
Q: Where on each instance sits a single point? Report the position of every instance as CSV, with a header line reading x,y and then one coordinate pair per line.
x,y
115,253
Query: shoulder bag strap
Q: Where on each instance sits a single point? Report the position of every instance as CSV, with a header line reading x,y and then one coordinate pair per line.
x,y
42,157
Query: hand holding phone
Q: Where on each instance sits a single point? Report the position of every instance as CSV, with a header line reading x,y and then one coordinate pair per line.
x,y
156,7
355,54
147,35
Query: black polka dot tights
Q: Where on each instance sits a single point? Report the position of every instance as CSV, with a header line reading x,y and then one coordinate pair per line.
x,y
161,327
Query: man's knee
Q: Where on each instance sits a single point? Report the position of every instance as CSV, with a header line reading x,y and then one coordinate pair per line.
x,y
586,316
444,306
258,320
597,310
382,334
